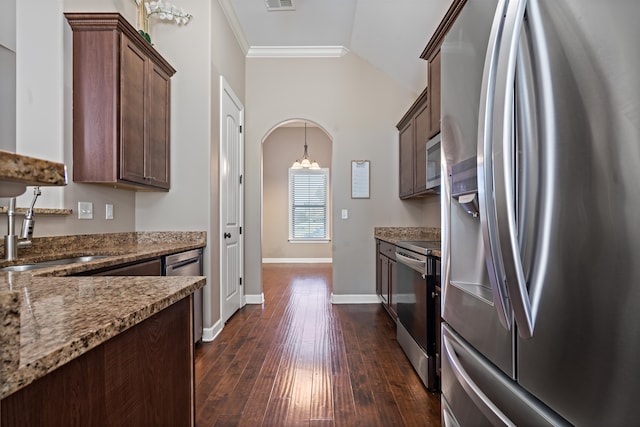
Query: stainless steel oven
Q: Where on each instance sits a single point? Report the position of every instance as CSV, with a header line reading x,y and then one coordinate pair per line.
x,y
415,302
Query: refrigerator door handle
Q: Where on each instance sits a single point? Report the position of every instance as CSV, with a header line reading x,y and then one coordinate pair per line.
x,y
505,189
488,222
482,401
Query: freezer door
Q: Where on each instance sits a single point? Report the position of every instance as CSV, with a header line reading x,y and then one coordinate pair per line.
x,y
468,301
475,393
584,282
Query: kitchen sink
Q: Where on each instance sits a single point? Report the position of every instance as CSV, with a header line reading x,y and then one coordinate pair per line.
x,y
52,263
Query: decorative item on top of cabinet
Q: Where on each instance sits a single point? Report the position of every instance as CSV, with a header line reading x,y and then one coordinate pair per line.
x,y
163,10
413,136
121,105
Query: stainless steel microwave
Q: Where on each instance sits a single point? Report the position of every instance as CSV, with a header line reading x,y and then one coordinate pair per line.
x,y
433,162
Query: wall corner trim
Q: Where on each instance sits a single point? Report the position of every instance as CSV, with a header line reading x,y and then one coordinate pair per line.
x,y
254,299
297,260
355,299
210,334
234,23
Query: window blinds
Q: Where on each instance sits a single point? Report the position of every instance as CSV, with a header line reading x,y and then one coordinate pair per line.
x,y
308,204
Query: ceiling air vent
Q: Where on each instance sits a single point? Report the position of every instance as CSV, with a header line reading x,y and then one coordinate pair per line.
x,y
278,5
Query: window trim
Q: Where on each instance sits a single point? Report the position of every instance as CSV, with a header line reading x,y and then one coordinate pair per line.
x,y
290,208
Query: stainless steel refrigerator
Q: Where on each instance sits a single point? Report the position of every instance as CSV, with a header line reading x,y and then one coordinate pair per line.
x,y
541,214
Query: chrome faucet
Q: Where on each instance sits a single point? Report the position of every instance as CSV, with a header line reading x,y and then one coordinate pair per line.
x,y
12,241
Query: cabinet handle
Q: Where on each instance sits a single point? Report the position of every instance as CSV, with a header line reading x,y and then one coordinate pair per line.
x,y
150,178
227,235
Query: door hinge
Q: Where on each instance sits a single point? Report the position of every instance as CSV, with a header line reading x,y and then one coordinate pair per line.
x,y
240,230
240,179
241,281
240,128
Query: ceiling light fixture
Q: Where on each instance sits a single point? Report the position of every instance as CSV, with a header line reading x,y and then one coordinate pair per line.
x,y
305,162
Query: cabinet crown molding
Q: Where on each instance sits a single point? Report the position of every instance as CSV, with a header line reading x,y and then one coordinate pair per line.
x,y
438,36
101,21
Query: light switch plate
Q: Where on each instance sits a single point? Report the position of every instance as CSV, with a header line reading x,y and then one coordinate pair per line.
x,y
85,210
345,214
108,211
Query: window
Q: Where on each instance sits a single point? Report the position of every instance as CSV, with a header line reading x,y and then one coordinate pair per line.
x,y
309,205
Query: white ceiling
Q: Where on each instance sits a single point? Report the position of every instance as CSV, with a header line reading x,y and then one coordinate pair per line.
x,y
389,34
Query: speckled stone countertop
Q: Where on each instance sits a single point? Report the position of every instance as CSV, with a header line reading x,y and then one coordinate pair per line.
x,y
47,320
17,171
396,234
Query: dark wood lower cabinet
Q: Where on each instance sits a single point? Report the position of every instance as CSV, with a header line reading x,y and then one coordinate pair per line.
x,y
141,377
386,276
146,268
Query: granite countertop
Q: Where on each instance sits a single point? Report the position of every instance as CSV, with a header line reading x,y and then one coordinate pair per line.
x,y
48,320
395,234
18,171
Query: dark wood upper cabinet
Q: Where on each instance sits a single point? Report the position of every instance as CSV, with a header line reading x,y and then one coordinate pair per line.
x,y
431,54
414,129
121,105
434,93
422,120
407,159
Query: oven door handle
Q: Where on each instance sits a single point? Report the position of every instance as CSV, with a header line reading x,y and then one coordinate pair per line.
x,y
415,264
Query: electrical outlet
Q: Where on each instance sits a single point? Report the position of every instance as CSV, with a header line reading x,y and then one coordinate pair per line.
x,y
108,211
85,210
345,214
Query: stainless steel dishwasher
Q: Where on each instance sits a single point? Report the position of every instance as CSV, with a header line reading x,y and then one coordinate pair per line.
x,y
188,263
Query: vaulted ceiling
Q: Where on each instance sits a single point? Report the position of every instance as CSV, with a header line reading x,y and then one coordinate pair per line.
x,y
389,34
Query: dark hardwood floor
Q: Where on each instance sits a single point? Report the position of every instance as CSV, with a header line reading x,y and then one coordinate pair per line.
x,y
298,360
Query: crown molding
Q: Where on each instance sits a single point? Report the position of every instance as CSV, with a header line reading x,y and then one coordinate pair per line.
x,y
297,51
234,23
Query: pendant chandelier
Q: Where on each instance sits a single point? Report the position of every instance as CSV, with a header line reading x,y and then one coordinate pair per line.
x,y
305,163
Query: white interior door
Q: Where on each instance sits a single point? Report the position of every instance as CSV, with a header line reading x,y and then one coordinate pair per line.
x,y
231,197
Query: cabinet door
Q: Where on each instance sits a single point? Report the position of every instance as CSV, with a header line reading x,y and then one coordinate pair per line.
x,y
133,74
378,268
146,268
393,300
158,130
422,127
384,278
434,95
406,160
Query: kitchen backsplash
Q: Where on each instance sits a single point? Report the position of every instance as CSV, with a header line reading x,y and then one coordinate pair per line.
x,y
406,233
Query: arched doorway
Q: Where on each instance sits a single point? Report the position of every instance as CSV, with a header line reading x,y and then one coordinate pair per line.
x,y
283,145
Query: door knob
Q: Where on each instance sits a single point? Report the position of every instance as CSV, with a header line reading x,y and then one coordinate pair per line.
x,y
227,235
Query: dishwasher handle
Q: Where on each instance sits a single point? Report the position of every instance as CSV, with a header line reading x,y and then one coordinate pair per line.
x,y
171,267
418,263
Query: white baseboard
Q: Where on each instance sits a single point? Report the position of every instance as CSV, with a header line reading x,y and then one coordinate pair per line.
x,y
297,260
355,299
210,334
254,299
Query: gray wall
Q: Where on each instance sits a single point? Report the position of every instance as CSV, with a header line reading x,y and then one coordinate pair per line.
x,y
43,104
8,75
359,106
200,52
280,149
